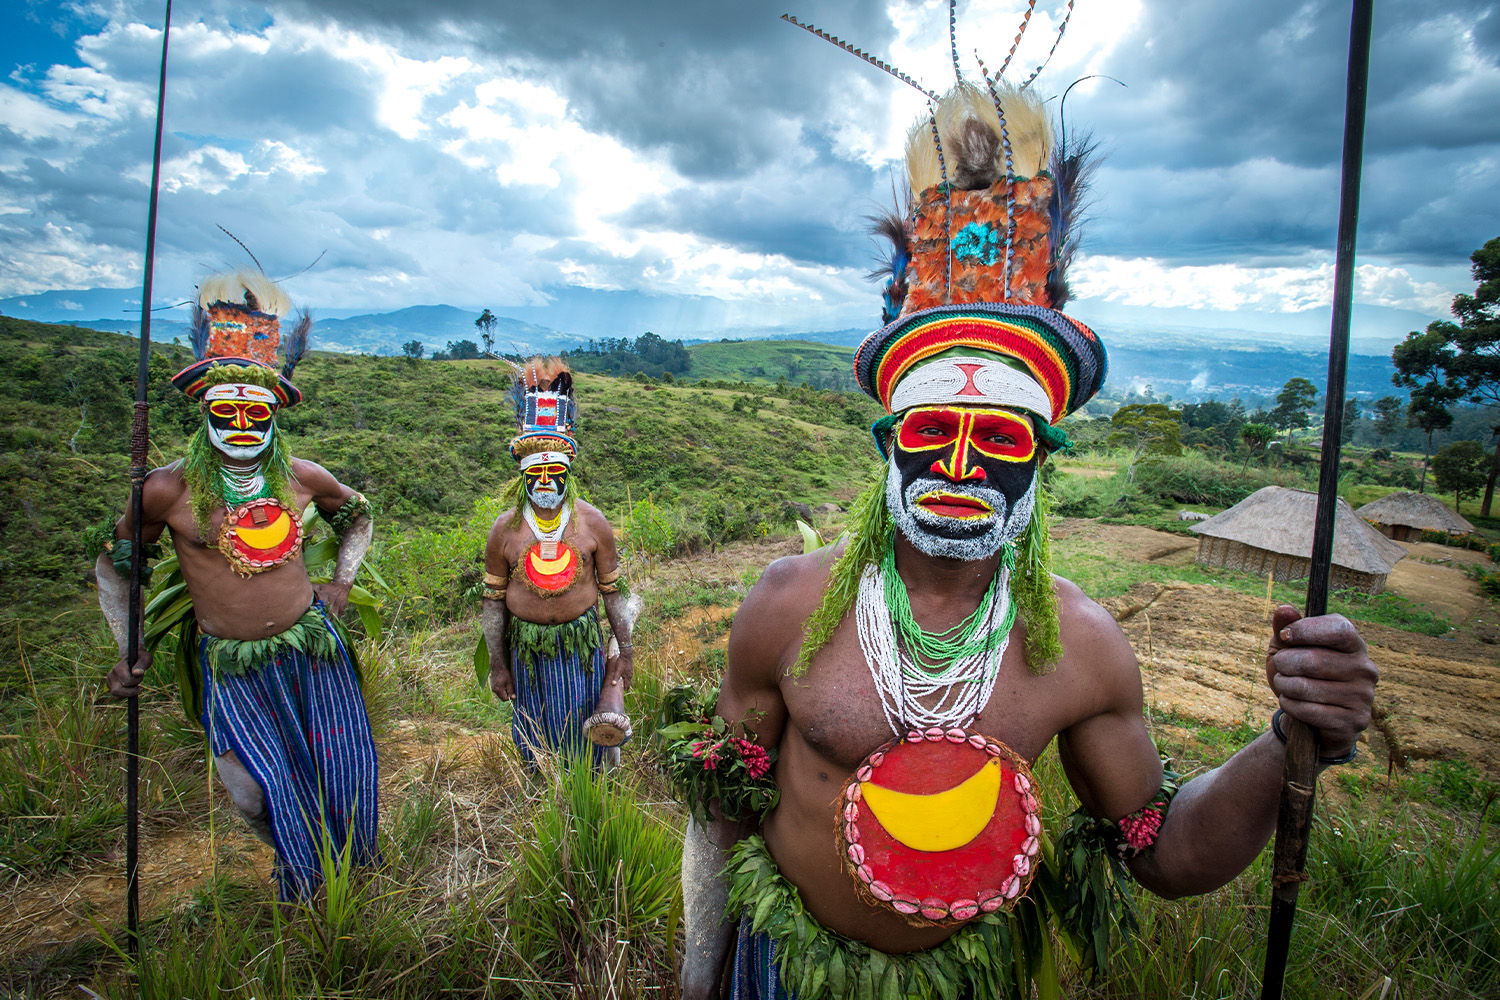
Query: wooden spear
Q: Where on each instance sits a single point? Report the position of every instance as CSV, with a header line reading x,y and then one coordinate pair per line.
x,y
139,437
1300,774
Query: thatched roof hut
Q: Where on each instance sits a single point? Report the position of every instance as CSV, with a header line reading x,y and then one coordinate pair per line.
x,y
1271,531
1404,516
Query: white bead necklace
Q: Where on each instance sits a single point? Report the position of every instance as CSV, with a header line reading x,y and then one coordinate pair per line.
x,y
546,536
963,686
242,485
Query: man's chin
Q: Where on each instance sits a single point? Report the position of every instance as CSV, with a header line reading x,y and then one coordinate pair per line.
x,y
546,501
242,453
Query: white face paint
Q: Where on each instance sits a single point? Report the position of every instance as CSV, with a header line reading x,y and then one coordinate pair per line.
x,y
945,537
546,476
240,420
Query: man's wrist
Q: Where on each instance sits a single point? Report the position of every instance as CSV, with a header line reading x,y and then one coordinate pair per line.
x,y
1324,761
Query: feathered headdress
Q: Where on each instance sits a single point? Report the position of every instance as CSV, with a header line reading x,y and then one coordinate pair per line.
x,y
977,271
236,336
546,413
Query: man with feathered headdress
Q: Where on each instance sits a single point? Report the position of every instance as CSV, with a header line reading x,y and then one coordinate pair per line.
x,y
262,660
548,560
905,686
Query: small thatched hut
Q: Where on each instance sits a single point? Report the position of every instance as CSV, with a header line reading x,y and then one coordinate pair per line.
x,y
1271,531
1404,516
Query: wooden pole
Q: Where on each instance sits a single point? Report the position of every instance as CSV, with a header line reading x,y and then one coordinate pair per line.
x,y
1300,773
139,439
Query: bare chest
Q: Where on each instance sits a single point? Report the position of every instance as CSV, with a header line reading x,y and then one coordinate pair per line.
x,y
836,707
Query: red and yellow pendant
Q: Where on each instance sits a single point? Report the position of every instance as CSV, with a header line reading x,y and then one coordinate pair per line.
x,y
550,567
260,535
941,826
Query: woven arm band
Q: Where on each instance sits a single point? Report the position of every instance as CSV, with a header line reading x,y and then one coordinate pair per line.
x,y
352,510
494,587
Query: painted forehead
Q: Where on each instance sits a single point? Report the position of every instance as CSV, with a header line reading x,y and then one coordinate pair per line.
x,y
240,392
545,458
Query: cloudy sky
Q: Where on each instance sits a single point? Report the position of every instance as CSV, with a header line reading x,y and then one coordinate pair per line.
x,y
706,166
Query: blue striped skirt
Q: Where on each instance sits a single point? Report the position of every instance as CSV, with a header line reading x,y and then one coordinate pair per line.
x,y
753,973
555,695
298,724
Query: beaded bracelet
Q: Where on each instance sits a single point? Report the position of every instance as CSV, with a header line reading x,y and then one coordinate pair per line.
x,y
1342,758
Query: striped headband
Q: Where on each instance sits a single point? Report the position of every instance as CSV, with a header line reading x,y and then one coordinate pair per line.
x,y
1065,358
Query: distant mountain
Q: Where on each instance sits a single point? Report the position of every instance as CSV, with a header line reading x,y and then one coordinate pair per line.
x,y
434,326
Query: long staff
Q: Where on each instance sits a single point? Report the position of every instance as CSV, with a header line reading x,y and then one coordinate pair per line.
x,y
139,436
1300,775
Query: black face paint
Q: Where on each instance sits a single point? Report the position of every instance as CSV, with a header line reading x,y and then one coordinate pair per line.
x,y
546,483
962,480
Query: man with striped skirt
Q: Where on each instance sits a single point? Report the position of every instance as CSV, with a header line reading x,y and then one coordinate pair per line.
x,y
547,562
274,682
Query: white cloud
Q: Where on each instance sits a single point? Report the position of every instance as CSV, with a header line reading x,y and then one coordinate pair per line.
x,y
1229,287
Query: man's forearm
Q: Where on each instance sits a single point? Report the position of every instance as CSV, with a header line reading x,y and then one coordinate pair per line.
x,y
1217,824
492,621
352,548
707,935
621,621
114,601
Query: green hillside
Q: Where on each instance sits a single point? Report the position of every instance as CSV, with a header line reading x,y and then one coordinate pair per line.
x,y
425,440
796,361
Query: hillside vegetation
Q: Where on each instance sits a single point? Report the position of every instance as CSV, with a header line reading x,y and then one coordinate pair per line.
x,y
496,882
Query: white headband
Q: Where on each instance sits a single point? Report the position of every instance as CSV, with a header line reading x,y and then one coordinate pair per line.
x,y
241,391
545,458
971,382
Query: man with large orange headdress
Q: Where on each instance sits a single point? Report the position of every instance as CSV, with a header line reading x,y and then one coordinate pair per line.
x,y
262,660
905,685
548,560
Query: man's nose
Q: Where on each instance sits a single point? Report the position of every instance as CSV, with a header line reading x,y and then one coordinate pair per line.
x,y
958,468
242,419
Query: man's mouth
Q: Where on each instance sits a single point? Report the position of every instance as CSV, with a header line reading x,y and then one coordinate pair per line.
x,y
242,439
954,505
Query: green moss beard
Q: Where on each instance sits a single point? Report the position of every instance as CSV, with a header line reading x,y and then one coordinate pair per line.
x,y
203,471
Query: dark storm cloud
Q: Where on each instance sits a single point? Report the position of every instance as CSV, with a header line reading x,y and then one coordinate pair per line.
x,y
711,84
1229,137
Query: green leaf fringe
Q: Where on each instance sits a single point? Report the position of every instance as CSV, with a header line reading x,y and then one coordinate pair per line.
x,y
235,657
870,529
1031,588
531,642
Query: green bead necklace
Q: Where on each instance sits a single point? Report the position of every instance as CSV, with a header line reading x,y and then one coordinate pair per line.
x,y
938,652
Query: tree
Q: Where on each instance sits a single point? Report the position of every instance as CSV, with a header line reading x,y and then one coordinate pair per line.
x,y
1292,404
1148,428
1475,366
462,350
1388,416
1428,412
1459,468
413,350
486,324
1421,362
1256,437
1351,420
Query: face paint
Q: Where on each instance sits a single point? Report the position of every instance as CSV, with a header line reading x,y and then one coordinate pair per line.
x,y
241,420
546,483
962,481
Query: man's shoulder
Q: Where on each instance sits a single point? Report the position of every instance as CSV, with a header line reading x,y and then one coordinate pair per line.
x,y
796,582
165,483
592,516
1092,639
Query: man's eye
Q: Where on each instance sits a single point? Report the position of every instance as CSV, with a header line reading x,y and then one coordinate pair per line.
x,y
1001,439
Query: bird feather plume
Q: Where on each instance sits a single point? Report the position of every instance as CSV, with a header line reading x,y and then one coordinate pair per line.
x,y
969,127
1073,164
249,288
295,342
198,334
